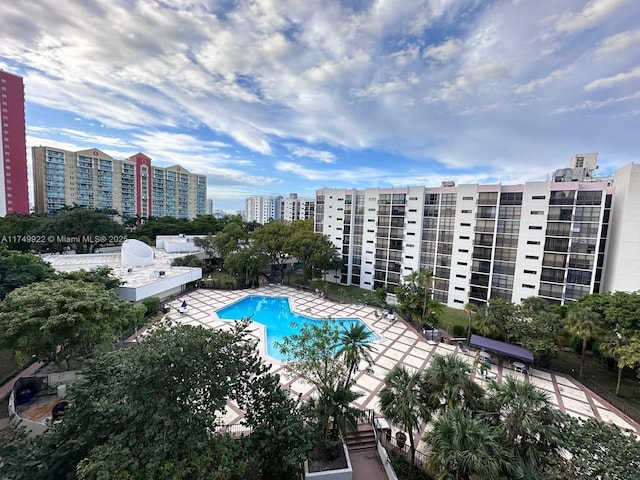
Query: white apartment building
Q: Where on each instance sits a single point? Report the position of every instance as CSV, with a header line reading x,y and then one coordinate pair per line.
x,y
262,209
294,208
559,240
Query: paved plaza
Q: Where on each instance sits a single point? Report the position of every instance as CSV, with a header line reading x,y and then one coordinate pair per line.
x,y
397,342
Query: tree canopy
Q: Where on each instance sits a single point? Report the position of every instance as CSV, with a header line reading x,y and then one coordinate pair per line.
x,y
18,269
154,411
57,320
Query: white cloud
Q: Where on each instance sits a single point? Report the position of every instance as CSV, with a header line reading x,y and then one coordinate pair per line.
x,y
628,41
321,155
443,52
614,80
591,15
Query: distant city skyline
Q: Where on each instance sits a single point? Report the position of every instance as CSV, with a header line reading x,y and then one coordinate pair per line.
x,y
271,98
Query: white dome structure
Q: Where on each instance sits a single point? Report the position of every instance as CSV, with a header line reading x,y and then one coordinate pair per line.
x,y
135,253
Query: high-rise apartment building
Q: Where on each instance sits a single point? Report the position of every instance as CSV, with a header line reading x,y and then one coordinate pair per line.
x,y
93,179
294,208
262,209
14,189
559,240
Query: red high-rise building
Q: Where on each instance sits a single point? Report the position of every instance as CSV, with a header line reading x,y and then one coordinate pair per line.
x,y
14,189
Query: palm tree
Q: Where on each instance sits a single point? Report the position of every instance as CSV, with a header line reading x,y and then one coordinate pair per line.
x,y
470,308
354,347
525,418
401,403
433,310
334,405
424,280
584,323
464,447
449,381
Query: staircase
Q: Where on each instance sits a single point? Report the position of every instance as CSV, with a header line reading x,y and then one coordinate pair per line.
x,y
365,439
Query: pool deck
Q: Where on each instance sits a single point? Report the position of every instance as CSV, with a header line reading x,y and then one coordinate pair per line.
x,y
398,342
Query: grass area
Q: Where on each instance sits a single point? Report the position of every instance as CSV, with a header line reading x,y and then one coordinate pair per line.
x,y
597,371
451,317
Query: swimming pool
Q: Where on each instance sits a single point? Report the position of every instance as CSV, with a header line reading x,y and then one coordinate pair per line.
x,y
276,315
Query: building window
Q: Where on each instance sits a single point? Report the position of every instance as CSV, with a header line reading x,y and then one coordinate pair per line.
x,y
533,242
535,227
530,272
526,285
531,257
538,197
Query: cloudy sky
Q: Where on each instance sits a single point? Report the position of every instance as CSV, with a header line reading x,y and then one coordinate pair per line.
x,y
270,97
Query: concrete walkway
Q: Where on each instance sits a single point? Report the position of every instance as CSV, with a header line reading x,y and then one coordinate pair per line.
x,y
398,343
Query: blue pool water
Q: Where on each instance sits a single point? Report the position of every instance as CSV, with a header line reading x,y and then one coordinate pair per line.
x,y
276,315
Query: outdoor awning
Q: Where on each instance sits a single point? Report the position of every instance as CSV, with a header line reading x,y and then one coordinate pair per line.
x,y
502,348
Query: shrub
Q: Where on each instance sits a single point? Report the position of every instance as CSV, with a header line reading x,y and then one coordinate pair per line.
x,y
152,304
459,331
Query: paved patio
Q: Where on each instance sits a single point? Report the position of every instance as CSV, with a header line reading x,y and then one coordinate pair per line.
x,y
397,343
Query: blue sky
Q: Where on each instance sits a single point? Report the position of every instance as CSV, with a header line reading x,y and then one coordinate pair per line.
x,y
273,97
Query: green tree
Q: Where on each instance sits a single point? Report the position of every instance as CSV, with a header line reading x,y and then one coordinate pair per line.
x,y
313,355
585,324
271,238
355,347
58,320
536,325
80,228
314,250
101,275
280,429
18,269
248,261
596,449
230,240
153,412
16,228
401,403
491,319
190,260
463,447
449,383
208,245
526,420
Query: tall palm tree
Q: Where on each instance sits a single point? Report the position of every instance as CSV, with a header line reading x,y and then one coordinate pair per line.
x,y
470,308
355,347
525,418
450,383
424,279
433,310
464,447
400,403
584,323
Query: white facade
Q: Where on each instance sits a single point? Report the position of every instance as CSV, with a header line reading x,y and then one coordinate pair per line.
x,y
262,209
546,239
622,266
294,208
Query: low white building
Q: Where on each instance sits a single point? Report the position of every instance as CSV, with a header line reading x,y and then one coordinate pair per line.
x,y
144,273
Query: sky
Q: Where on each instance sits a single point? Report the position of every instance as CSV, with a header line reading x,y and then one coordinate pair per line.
x,y
271,97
